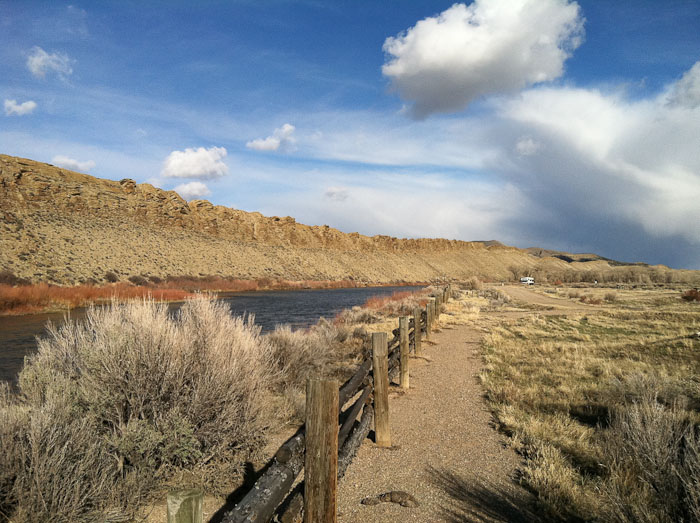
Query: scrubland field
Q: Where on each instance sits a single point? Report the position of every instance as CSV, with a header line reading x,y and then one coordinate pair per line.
x,y
113,410
599,391
603,402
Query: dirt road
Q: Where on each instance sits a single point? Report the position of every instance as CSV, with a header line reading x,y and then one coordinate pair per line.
x,y
529,296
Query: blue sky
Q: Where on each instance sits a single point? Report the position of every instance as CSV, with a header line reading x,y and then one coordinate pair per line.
x,y
550,123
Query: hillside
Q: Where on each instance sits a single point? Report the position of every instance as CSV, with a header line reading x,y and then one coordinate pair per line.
x,y
63,227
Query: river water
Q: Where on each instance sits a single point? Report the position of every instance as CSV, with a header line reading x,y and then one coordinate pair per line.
x,y
297,308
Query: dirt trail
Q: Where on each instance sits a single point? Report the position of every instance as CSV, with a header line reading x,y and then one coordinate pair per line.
x,y
446,452
524,294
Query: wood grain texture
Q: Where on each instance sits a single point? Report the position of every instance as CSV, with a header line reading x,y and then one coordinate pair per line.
x,y
321,466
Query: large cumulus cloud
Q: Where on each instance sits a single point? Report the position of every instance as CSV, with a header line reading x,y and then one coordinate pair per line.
x,y
491,46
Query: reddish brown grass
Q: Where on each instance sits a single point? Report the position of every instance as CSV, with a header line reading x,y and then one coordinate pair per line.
x,y
379,302
23,299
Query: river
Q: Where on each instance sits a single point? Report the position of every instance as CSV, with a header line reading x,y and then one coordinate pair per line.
x,y
297,308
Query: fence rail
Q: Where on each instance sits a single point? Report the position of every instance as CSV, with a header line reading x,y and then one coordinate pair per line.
x,y
328,441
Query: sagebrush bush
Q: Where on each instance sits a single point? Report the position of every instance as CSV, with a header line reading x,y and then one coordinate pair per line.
x,y
8,278
653,451
610,297
691,295
473,284
138,280
357,315
130,393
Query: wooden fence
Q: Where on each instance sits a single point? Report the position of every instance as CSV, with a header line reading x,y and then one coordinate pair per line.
x,y
326,444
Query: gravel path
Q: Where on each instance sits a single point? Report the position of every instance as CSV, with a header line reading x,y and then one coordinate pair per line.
x,y
445,452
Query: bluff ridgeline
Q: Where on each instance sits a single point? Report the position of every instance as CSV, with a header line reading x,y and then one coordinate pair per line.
x,y
63,227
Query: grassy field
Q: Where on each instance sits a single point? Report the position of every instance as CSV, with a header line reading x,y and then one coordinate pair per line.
x,y
605,406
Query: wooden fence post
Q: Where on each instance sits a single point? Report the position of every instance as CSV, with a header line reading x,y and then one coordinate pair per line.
x,y
433,306
380,371
427,321
321,464
417,332
403,348
185,506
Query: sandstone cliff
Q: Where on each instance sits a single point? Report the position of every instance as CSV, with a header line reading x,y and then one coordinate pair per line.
x,y
65,227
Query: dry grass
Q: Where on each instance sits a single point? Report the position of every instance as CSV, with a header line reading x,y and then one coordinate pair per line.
x,y
325,349
110,406
605,407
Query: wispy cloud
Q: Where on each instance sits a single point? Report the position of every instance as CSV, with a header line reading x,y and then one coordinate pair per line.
x,y
72,164
282,139
338,194
39,63
686,92
12,107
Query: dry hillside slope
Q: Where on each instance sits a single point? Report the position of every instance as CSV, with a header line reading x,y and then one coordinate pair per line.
x,y
59,226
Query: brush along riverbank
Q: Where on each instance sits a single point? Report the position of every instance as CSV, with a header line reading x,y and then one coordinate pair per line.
x,y
113,409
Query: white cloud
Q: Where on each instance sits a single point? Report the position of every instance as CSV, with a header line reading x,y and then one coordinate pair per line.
x,y
12,107
39,62
526,146
282,139
338,194
491,46
196,163
72,164
609,157
686,91
192,190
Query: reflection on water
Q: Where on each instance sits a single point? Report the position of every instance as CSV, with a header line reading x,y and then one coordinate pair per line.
x,y
297,308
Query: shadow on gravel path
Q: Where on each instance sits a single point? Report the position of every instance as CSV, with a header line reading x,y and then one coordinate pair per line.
x,y
476,500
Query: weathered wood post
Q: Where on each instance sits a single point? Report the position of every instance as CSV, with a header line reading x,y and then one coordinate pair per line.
x,y
403,351
321,463
185,506
427,321
433,307
418,328
380,372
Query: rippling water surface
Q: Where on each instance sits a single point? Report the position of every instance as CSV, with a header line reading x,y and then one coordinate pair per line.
x,y
297,308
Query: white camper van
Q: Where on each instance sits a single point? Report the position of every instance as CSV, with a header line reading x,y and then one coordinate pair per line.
x,y
527,280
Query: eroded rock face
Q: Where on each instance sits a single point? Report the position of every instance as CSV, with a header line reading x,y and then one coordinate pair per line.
x,y
65,227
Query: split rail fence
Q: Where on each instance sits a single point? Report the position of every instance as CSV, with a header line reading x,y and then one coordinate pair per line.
x,y
338,419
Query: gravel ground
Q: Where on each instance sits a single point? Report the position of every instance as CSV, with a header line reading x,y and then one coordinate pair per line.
x,y
446,452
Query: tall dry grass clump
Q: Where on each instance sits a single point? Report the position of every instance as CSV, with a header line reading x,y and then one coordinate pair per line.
x,y
324,349
654,453
111,405
399,303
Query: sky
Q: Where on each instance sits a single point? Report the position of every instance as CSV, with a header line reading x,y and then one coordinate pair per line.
x,y
565,125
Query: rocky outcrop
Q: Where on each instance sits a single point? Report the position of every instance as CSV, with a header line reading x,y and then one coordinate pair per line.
x,y
65,227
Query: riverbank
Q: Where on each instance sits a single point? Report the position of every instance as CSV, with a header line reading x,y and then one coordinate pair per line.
x,y
19,298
